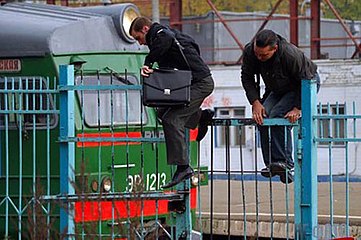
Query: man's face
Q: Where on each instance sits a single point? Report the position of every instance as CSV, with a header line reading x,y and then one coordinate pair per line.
x,y
265,53
140,36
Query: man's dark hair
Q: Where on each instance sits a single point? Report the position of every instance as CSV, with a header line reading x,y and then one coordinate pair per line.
x,y
266,38
138,24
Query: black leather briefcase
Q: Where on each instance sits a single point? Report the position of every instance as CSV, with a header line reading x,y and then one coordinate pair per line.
x,y
167,88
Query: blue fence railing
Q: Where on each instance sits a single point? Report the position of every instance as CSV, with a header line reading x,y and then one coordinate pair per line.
x,y
253,206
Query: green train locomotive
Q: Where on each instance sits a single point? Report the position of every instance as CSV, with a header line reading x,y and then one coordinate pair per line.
x,y
34,40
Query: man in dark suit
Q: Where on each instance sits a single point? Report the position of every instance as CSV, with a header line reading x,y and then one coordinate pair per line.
x,y
163,49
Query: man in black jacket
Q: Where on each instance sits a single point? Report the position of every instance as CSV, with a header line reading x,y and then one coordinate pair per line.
x,y
163,50
282,67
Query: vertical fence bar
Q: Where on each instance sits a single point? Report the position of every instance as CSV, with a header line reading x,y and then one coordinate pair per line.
x,y
6,116
20,118
309,161
67,149
347,184
242,183
48,153
297,183
228,172
33,107
184,219
330,168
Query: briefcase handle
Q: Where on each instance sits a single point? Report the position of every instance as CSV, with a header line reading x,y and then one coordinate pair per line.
x,y
166,70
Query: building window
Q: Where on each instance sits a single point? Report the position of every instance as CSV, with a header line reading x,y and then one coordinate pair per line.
x,y
236,133
331,128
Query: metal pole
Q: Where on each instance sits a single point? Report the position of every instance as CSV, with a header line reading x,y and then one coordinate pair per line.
x,y
263,24
175,18
155,11
347,30
184,218
297,183
64,3
67,149
269,15
309,162
315,29
294,22
219,15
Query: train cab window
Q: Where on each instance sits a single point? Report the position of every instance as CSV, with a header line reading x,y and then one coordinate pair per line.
x,y
235,138
126,103
331,128
27,101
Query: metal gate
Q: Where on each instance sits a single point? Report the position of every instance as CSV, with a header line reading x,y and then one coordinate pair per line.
x,y
27,118
239,202
80,159
137,210
64,182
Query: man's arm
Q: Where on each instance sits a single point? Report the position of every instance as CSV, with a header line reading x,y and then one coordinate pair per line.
x,y
298,68
251,88
295,66
247,78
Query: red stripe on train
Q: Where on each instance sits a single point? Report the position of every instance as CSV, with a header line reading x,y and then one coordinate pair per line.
x,y
107,135
193,136
94,211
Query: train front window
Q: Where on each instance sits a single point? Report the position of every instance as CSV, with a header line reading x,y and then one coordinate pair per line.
x,y
26,102
107,108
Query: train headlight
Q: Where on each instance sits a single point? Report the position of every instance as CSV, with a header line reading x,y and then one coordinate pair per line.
x,y
197,178
106,184
194,180
122,16
129,14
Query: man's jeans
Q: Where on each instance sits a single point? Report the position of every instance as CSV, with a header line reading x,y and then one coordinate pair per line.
x,y
277,146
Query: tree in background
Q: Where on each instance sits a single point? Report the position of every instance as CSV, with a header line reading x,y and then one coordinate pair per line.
x,y
348,9
191,8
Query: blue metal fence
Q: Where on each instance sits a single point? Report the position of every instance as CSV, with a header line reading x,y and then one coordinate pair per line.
x,y
28,113
307,203
250,206
43,197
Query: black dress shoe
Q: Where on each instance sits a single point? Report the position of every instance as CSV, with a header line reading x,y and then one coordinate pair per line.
x,y
266,172
179,176
204,121
281,169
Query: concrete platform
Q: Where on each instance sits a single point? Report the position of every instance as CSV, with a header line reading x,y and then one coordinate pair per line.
x,y
269,210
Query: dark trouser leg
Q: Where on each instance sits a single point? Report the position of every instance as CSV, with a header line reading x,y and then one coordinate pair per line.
x,y
175,120
281,149
277,138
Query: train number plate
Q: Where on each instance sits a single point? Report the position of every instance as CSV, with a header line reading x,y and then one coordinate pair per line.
x,y
150,182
